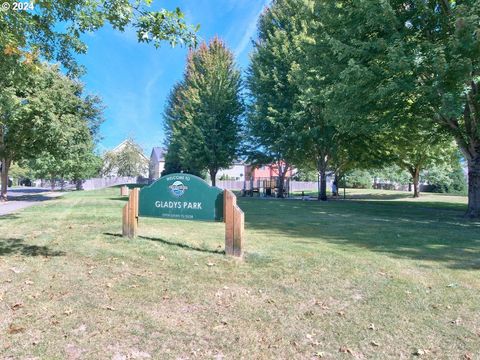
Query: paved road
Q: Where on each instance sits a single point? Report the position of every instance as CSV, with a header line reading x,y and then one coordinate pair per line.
x,y
20,198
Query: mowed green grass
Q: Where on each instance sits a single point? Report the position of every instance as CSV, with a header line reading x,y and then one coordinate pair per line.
x,y
380,276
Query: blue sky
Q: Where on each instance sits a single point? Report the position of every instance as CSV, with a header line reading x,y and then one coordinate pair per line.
x,y
134,79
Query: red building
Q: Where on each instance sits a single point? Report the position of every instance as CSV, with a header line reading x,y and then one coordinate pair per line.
x,y
264,172
265,181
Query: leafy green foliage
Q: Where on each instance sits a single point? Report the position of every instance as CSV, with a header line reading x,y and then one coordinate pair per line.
x,y
29,113
360,84
417,55
126,161
203,116
305,175
447,177
271,111
74,157
47,120
19,173
391,174
53,31
176,130
359,179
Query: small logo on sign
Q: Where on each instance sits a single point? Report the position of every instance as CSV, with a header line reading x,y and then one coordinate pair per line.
x,y
177,188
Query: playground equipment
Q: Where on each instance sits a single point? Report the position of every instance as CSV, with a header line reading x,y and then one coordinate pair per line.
x,y
266,187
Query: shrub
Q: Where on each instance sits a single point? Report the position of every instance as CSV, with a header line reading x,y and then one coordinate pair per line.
x,y
359,179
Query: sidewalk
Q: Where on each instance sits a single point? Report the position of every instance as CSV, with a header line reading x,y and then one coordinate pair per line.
x,y
23,197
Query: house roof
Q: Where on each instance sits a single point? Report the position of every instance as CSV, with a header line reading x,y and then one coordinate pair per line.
x,y
124,143
158,154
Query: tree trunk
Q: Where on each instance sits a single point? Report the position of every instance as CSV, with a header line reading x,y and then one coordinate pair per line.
x,y
213,176
323,185
336,183
4,177
282,171
416,192
415,172
318,184
281,178
473,209
52,183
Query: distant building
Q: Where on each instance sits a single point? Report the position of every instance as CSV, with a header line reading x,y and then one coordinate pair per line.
x,y
264,172
235,172
110,170
157,163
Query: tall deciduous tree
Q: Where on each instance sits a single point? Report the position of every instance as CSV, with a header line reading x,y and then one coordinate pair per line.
x,y
210,110
46,113
52,32
270,122
415,149
74,157
289,80
428,49
176,124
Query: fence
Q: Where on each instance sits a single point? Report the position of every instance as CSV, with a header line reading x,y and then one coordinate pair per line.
x,y
304,186
100,183
230,185
294,185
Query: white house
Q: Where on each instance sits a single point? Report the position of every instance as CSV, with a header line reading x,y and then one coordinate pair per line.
x,y
157,163
111,171
235,172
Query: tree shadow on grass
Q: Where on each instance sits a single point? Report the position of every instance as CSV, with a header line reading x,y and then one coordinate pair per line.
x,y
29,194
424,231
34,198
17,246
119,198
375,196
8,217
171,243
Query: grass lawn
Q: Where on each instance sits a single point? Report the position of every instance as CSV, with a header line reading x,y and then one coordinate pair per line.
x,y
378,276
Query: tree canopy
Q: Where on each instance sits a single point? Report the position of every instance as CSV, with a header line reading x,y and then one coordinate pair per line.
x,y
53,31
47,117
35,123
204,112
421,55
359,84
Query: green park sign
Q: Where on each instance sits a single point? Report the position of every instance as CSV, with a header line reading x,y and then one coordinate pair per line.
x,y
181,196
187,197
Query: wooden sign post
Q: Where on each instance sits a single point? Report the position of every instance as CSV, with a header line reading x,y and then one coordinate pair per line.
x,y
130,215
124,190
187,197
234,225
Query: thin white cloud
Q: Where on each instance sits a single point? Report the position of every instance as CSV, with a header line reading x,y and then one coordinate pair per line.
x,y
149,92
250,31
